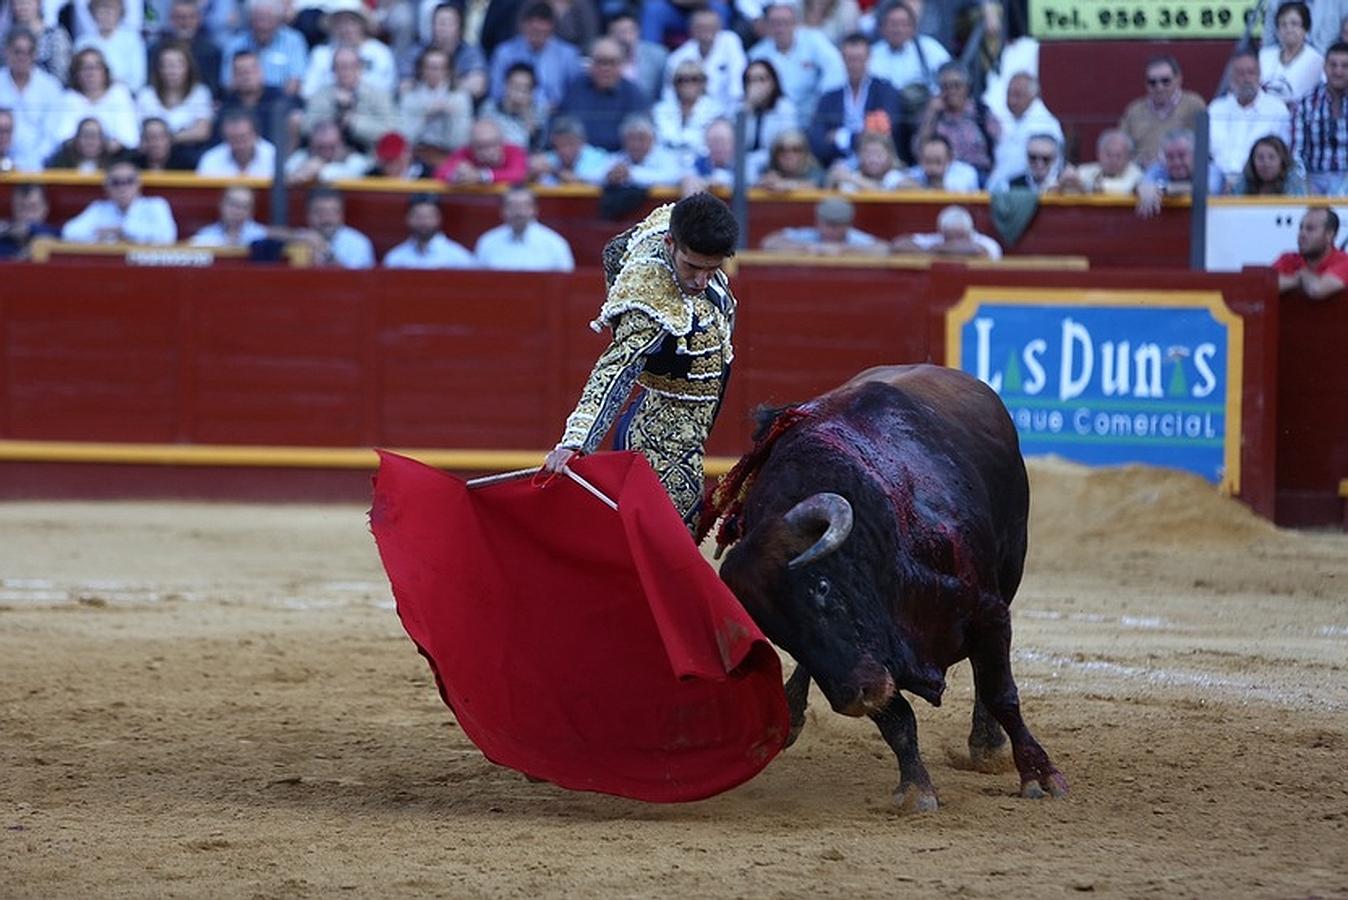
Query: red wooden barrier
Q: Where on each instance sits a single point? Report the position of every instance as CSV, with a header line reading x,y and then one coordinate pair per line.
x,y
473,359
1312,398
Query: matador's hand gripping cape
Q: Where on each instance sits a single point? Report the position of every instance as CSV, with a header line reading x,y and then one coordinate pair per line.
x,y
587,646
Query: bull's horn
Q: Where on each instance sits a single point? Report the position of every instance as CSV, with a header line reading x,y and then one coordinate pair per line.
x,y
826,507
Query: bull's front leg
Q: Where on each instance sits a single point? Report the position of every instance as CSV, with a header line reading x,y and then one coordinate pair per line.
x,y
797,694
899,727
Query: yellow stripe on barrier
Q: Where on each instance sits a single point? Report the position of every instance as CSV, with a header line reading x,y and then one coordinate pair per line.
x,y
276,456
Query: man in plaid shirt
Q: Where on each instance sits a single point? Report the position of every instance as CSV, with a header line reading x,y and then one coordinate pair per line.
x,y
1320,127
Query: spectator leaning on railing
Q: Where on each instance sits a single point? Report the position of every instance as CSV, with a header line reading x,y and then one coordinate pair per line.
x,y
1113,172
124,215
831,235
954,236
1318,268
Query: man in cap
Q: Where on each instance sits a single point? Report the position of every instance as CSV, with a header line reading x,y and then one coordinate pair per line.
x,y
831,235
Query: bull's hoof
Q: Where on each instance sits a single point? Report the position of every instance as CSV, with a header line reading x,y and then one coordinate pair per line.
x,y
909,798
988,760
1053,785
991,760
796,729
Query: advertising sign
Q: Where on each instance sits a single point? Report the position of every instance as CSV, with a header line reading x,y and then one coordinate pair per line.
x,y
1056,20
1110,377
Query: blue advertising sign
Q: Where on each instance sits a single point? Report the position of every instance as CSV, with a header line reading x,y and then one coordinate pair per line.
x,y
1108,377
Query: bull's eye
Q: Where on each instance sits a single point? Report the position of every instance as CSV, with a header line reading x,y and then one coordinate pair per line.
x,y
821,591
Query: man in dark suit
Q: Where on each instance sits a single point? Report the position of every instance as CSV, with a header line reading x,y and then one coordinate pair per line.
x,y
863,104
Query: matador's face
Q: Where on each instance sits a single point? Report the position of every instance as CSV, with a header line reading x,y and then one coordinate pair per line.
x,y
692,270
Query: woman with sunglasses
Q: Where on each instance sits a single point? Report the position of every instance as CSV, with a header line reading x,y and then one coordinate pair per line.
x,y
791,165
681,120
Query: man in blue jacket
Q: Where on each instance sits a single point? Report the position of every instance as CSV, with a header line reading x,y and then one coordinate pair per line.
x,y
864,103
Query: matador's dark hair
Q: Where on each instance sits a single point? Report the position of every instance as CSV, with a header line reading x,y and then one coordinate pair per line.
x,y
705,225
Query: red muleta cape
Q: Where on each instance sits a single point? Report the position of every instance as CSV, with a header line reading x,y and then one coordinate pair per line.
x,y
591,648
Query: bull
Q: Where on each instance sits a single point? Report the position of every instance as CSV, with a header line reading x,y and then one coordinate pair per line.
x,y
879,537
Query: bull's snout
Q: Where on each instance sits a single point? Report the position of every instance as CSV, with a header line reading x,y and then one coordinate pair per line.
x,y
876,690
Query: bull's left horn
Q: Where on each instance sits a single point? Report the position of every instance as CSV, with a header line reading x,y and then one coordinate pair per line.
x,y
829,508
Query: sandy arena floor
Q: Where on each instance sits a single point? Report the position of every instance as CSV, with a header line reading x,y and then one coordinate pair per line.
x,y
219,701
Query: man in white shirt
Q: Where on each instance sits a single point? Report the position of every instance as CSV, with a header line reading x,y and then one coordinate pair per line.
x,y
125,216
807,63
720,54
427,247
896,57
938,170
243,152
34,97
641,162
236,227
1239,118
1026,116
327,158
522,244
955,236
338,243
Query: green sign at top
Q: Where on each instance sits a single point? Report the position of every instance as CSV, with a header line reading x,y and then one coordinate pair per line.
x,y
1121,20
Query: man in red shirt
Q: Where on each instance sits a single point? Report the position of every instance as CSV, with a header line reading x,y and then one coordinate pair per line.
x,y
487,159
1318,269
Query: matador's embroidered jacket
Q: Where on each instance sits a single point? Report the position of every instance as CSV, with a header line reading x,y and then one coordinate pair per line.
x,y
674,346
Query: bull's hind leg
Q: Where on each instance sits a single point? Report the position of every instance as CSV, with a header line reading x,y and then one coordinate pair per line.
x,y
987,740
990,655
797,693
899,727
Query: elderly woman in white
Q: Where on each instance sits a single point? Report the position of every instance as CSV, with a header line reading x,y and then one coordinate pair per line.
x,y
681,120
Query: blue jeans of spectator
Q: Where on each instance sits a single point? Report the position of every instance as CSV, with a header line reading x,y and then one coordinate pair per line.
x,y
659,17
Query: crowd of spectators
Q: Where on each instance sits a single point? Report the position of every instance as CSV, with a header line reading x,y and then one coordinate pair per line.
x,y
855,95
